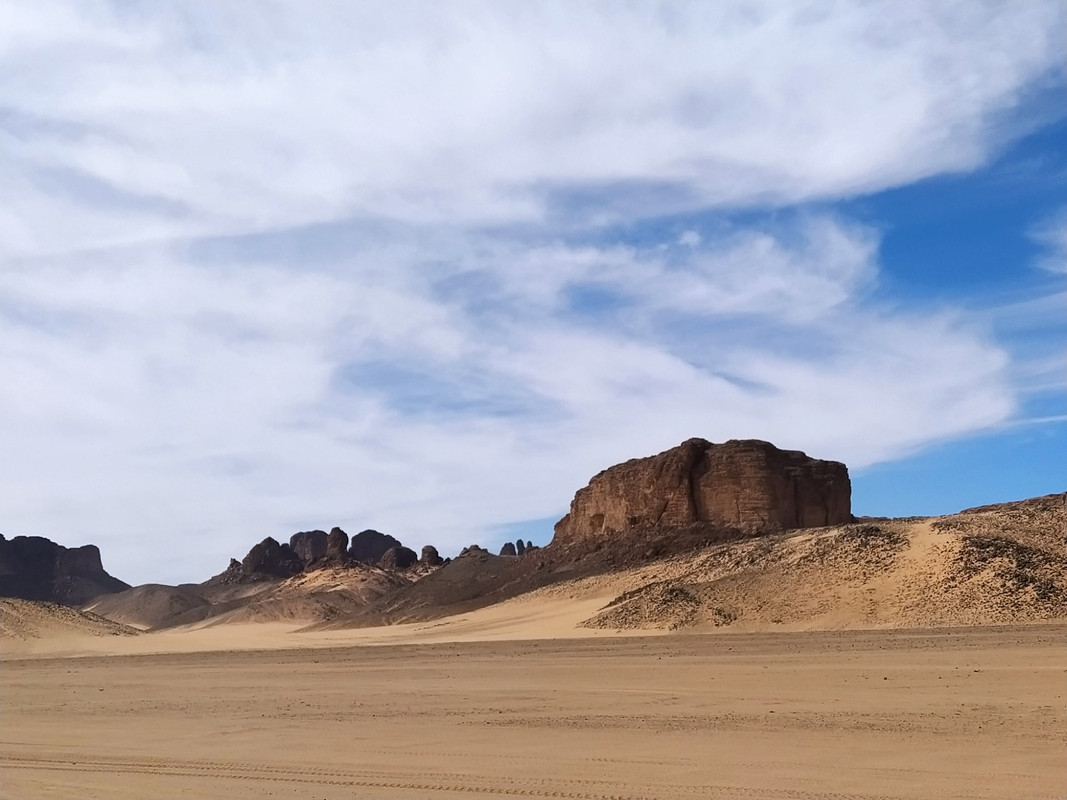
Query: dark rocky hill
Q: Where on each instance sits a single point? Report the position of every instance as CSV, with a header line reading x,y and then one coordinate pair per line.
x,y
35,568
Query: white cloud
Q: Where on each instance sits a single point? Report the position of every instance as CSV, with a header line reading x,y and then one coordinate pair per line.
x,y
222,118
215,404
1051,235
272,267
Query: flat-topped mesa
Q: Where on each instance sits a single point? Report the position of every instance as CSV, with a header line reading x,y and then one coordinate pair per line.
x,y
35,568
747,484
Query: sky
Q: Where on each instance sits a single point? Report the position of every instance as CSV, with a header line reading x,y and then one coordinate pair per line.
x,y
426,267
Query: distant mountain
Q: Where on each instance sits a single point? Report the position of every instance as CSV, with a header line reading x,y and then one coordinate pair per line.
x,y
35,568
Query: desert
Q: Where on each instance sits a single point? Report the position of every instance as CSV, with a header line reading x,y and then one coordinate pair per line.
x,y
952,713
694,646
640,400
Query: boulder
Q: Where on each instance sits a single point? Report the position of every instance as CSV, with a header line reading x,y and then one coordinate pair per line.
x,y
430,557
399,557
369,546
336,544
508,549
748,485
308,545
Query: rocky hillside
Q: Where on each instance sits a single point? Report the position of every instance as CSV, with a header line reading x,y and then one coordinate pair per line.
x,y
318,595
734,536
35,568
315,577
1000,564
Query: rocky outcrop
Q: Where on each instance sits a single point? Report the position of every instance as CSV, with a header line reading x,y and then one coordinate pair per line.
x,y
308,551
520,547
508,549
308,545
430,557
399,557
35,568
747,485
268,559
370,545
336,544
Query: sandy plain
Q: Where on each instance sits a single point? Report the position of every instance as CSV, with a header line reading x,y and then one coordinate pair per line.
x,y
482,707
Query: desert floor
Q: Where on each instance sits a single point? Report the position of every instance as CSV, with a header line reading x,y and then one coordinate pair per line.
x,y
962,713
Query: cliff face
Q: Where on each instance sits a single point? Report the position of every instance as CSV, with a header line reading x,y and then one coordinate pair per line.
x,y
749,485
35,568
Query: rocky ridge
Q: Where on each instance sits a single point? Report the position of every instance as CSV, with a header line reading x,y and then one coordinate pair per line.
x,y
36,568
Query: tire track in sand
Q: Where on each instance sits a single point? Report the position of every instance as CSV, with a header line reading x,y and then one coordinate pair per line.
x,y
563,788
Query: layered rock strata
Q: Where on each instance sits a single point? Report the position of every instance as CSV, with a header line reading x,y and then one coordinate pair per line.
x,y
748,485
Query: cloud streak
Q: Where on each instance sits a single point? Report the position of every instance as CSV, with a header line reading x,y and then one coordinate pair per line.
x,y
397,265
162,126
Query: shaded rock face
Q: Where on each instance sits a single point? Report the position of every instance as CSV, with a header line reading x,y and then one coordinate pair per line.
x,y
398,558
370,545
430,557
336,544
748,484
268,558
309,545
520,547
35,568
508,549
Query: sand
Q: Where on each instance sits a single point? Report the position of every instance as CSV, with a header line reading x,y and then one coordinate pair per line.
x,y
812,664
497,712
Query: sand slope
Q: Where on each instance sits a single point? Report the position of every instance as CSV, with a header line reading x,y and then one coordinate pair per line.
x,y
307,598
31,620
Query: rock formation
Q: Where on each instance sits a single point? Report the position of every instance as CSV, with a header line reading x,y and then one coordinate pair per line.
x,y
35,568
399,557
313,550
308,545
270,559
508,549
748,485
336,544
370,545
430,557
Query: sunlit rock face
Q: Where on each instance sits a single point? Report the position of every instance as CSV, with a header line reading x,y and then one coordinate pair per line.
x,y
748,484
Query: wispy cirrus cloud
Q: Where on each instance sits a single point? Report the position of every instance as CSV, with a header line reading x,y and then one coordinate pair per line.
x,y
145,121
391,265
1051,235
252,399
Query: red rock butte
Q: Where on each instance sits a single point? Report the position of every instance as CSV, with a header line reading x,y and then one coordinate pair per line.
x,y
747,484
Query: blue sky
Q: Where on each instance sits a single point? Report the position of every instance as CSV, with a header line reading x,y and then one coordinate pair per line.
x,y
427,267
